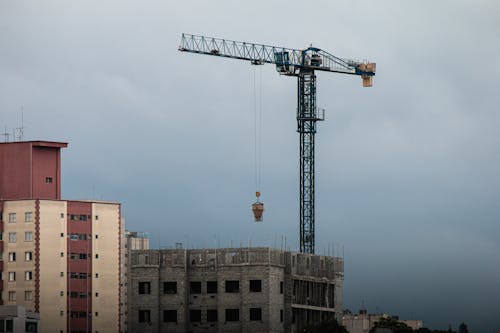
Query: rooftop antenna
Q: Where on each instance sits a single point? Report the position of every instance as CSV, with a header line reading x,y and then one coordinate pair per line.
x,y
19,132
6,135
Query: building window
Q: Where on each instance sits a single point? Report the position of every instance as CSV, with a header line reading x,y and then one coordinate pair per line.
x,y
48,180
195,288
170,316
28,217
255,314
281,287
232,314
28,275
73,236
83,256
12,217
62,215
211,287
211,316
28,236
195,316
170,287
12,237
232,286
12,256
144,316
83,218
144,288
28,295
7,325
12,295
73,256
281,315
12,276
255,286
28,256
97,256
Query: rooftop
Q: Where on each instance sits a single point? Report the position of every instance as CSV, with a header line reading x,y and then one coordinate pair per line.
x,y
38,143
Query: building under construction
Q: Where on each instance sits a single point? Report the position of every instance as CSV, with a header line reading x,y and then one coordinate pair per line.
x,y
231,290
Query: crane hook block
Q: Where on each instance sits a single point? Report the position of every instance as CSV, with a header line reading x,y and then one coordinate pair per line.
x,y
258,209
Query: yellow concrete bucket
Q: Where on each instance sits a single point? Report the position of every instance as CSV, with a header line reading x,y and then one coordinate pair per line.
x,y
257,208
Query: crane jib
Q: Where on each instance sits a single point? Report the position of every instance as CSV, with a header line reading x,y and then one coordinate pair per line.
x,y
310,58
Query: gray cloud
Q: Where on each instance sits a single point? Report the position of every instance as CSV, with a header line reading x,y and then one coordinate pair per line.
x,y
407,170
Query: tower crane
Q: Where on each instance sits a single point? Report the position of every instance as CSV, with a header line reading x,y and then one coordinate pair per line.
x,y
302,64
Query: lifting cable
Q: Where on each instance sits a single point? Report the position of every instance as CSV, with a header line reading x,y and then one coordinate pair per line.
x,y
258,122
257,207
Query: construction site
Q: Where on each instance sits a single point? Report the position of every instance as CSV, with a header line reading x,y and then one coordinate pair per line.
x,y
249,289
231,290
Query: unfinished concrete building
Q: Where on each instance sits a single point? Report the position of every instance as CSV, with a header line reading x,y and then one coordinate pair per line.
x,y
231,290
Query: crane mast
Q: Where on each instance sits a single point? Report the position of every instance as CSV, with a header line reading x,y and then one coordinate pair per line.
x,y
301,64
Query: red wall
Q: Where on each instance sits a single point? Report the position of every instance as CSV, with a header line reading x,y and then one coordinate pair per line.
x,y
24,167
15,171
1,247
46,163
78,208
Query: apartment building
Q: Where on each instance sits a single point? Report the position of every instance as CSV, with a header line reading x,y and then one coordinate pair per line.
x,y
60,258
231,290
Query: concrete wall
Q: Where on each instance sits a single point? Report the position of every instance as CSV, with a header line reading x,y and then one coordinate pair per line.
x,y
271,267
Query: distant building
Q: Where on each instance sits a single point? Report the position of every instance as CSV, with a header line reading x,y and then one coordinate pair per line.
x,y
132,240
17,319
61,258
363,321
231,290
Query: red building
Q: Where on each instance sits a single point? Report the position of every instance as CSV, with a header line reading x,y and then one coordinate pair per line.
x,y
60,258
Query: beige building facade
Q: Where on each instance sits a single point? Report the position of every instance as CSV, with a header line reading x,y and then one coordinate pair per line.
x,y
63,265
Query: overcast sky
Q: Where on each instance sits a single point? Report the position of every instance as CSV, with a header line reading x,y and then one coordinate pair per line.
x,y
407,171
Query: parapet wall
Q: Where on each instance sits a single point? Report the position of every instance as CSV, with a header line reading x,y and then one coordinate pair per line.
x,y
294,263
